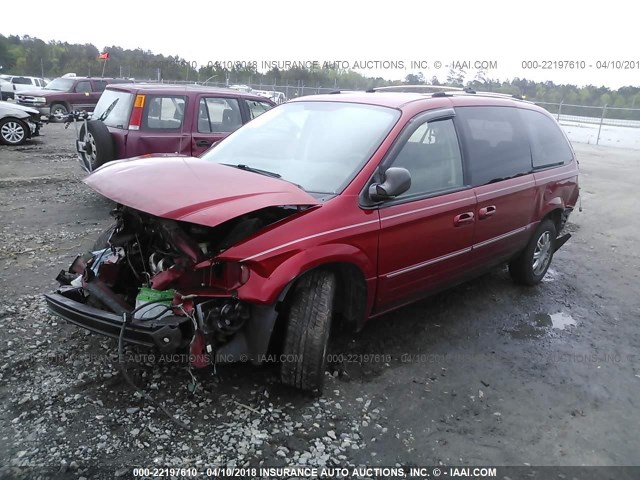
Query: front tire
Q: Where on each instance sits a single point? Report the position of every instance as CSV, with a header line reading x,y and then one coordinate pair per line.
x,y
307,331
58,112
532,264
13,131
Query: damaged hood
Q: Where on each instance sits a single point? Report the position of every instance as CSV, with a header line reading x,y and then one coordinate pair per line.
x,y
191,189
15,106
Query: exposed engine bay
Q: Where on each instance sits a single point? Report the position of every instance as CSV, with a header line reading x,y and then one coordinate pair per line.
x,y
161,276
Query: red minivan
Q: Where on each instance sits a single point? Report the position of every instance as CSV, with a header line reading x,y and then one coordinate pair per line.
x,y
331,208
137,119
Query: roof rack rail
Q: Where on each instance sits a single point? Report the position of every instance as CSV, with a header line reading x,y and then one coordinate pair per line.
x,y
436,91
443,89
337,92
494,94
411,88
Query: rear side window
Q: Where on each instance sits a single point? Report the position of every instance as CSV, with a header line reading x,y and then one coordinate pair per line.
x,y
164,113
114,108
257,108
549,146
21,81
495,143
83,87
218,114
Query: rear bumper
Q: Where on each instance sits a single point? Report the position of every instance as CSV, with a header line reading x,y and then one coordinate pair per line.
x,y
165,333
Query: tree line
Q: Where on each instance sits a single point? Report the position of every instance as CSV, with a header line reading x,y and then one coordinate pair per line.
x,y
25,55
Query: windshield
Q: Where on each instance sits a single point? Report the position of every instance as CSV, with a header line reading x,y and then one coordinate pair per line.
x,y
114,108
60,84
319,146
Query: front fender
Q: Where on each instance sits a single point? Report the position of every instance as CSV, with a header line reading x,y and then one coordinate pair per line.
x,y
266,290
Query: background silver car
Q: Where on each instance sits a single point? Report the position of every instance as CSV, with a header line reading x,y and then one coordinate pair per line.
x,y
18,123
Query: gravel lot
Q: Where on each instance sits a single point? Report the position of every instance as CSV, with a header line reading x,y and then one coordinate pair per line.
x,y
488,373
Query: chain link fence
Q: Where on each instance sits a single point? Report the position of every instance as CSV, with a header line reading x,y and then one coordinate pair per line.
x,y
605,115
290,89
599,125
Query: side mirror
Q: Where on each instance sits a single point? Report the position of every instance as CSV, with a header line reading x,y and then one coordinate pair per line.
x,y
396,181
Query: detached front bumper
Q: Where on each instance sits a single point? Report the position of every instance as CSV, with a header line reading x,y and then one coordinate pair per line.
x,y
167,333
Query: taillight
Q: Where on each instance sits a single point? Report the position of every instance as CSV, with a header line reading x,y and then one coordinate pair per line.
x,y
136,115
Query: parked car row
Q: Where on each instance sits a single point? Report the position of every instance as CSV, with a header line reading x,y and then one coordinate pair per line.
x,y
36,99
273,95
10,84
326,210
65,94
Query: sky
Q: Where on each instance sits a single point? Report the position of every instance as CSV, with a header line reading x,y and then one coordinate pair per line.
x,y
536,40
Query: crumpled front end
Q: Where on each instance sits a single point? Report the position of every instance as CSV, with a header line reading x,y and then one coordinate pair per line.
x,y
158,282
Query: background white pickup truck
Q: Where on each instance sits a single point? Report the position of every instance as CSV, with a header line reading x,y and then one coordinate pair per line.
x,y
15,83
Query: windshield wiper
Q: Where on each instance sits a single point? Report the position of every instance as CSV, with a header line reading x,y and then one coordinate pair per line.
x,y
247,168
267,173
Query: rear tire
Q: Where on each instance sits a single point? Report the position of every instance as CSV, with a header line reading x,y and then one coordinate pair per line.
x,y
58,113
532,264
98,145
13,131
310,311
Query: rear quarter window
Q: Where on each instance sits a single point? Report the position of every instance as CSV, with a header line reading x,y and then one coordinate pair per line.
x,y
164,112
218,114
495,142
549,146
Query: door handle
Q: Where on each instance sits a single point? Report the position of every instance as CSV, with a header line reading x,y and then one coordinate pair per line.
x,y
203,143
486,212
463,218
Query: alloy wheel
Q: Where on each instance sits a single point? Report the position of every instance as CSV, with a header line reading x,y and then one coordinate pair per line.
x,y
12,132
542,253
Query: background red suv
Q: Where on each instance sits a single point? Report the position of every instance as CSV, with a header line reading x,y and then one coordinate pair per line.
x,y
333,208
139,119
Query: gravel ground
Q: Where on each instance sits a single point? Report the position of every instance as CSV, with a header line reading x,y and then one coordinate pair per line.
x,y
487,373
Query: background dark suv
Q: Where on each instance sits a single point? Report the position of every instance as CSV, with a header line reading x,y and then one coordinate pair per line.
x,y
65,94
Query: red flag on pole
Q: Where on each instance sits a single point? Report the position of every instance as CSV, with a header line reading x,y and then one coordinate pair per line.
x,y
104,56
